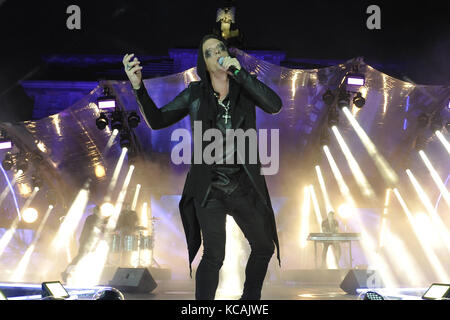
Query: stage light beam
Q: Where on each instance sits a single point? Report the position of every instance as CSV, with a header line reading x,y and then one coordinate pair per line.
x,y
444,141
437,221
135,198
383,167
328,206
435,263
367,242
21,268
436,178
354,166
71,220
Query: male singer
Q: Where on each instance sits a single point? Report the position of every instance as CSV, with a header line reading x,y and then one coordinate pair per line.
x,y
224,98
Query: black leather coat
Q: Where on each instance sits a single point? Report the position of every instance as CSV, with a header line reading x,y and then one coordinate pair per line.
x,y
246,93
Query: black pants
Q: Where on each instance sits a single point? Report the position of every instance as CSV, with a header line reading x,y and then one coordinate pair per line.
x,y
249,214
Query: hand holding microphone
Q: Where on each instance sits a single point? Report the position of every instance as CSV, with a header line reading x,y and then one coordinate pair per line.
x,y
231,65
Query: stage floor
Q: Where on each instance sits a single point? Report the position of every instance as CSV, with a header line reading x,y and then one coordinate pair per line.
x,y
184,290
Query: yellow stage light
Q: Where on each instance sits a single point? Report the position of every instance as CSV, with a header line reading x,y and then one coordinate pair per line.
x,y
346,211
100,171
30,215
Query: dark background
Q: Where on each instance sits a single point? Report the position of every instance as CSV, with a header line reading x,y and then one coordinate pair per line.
x,y
414,36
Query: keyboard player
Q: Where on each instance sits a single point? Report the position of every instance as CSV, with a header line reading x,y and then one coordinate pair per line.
x,y
330,225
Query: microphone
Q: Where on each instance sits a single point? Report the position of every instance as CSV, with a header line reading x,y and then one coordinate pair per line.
x,y
232,69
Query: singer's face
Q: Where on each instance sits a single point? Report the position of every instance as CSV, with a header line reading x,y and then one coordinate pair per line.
x,y
213,49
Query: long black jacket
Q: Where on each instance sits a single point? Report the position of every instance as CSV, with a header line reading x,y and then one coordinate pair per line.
x,y
197,101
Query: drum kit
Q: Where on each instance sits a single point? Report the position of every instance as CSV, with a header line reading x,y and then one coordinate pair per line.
x,y
124,244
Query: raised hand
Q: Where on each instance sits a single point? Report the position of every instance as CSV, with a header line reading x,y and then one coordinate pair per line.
x,y
133,70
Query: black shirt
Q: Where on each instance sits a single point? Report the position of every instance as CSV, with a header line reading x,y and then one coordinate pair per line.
x,y
225,177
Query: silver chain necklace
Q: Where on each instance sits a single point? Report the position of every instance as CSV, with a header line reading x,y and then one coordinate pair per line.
x,y
226,116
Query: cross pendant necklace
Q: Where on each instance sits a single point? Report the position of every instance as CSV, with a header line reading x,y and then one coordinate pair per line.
x,y
226,116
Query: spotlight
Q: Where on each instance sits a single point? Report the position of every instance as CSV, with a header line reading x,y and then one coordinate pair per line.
x,y
328,97
22,164
325,138
372,295
422,120
102,121
116,120
106,209
436,123
333,117
345,211
437,291
5,142
8,162
108,294
125,139
107,101
133,119
54,289
100,171
343,98
41,146
24,189
5,145
358,100
355,79
36,181
30,215
52,196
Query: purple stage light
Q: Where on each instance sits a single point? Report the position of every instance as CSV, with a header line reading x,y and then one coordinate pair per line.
x,y
355,80
5,145
106,103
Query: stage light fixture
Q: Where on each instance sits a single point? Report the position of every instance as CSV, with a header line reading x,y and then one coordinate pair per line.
x,y
108,294
133,119
437,291
106,209
52,196
36,181
355,79
30,215
116,120
8,161
345,211
372,295
5,142
22,164
102,121
343,98
324,138
107,101
125,139
54,289
5,145
328,97
358,100
333,117
100,171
